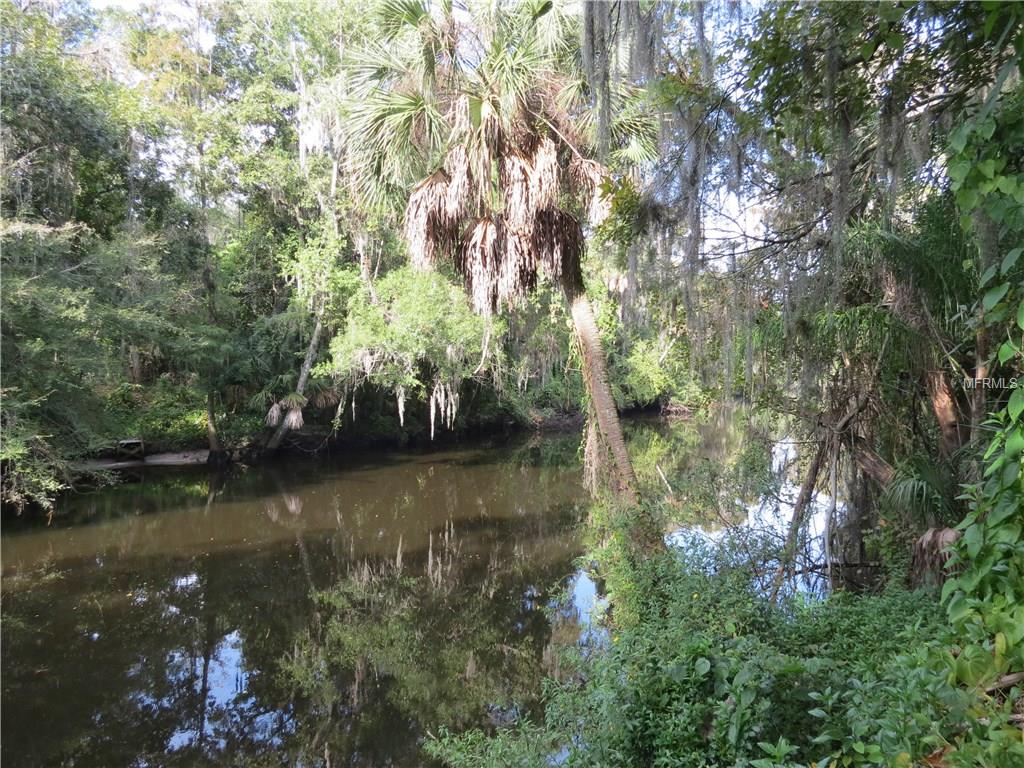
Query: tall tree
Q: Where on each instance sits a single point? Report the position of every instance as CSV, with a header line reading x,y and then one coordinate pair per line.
x,y
488,109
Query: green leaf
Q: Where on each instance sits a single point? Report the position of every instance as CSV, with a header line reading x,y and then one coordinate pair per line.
x,y
948,589
959,138
958,609
994,295
702,666
1014,443
894,41
1016,404
958,170
1000,513
543,9
974,665
1009,260
1020,315
747,696
1011,472
1007,350
1006,184
974,537
967,199
988,275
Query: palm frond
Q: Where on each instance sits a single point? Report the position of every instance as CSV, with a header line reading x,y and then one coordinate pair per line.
x,y
517,272
544,175
397,16
294,419
273,415
324,397
479,261
293,400
924,490
514,174
558,241
436,207
590,176
391,133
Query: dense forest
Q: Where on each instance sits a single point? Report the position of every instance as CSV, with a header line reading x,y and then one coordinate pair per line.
x,y
267,228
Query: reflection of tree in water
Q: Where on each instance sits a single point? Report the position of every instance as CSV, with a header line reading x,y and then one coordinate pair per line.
x,y
445,640
707,468
186,657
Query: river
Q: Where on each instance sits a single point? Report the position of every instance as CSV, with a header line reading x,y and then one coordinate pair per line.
x,y
330,611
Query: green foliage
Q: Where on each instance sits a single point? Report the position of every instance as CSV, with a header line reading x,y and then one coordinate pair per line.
x,y
32,472
699,669
419,319
645,378
984,601
921,492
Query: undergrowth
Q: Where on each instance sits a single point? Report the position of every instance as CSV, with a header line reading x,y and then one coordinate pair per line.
x,y
702,670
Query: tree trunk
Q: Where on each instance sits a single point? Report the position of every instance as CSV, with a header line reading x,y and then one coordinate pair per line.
x,y
134,364
872,465
979,401
595,376
307,365
217,453
906,303
945,409
802,500
365,271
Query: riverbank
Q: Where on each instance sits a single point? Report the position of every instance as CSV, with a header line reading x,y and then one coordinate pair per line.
x,y
172,426
370,431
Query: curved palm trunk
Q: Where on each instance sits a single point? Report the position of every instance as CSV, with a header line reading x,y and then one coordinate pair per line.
x,y
596,377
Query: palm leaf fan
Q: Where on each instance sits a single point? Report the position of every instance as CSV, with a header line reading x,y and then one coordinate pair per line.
x,y
294,418
557,241
515,177
517,272
590,176
479,261
544,175
273,415
426,219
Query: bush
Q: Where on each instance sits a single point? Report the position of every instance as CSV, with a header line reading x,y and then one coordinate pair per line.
x,y
700,669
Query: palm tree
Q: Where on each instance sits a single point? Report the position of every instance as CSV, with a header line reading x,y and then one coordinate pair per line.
x,y
483,112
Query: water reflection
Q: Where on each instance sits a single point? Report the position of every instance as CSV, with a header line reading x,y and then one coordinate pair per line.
x,y
304,614
744,496
322,613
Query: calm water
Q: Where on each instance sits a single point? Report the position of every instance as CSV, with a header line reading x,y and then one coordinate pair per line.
x,y
311,613
316,613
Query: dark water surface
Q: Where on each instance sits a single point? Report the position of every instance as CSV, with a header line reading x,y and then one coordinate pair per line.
x,y
319,612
